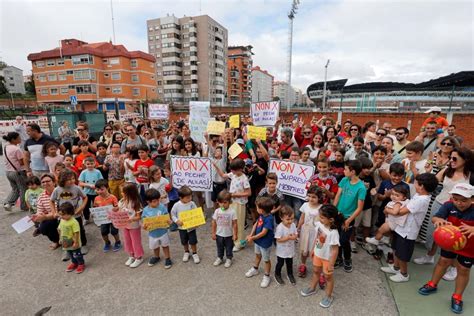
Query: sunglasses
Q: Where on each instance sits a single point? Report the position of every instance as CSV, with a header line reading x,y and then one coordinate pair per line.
x,y
307,133
380,134
354,130
447,144
108,129
80,130
454,159
399,133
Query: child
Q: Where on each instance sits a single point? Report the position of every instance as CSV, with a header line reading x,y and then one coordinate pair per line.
x,y
293,201
325,181
263,234
79,162
365,217
158,237
70,237
140,170
337,165
158,182
309,216
33,192
285,235
240,191
87,180
399,199
131,155
270,190
403,238
104,198
58,168
224,229
51,156
414,163
218,182
132,236
459,212
187,237
173,196
101,155
114,164
349,201
325,251
69,164
305,152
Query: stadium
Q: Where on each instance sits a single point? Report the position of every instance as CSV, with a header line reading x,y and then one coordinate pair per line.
x,y
453,92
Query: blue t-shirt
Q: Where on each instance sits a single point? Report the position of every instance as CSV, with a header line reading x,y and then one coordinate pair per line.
x,y
388,185
156,211
265,222
90,177
351,194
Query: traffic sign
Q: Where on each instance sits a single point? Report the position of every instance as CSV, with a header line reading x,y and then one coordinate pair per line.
x,y
73,99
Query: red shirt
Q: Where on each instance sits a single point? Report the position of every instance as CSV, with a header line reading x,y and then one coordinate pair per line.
x,y
143,167
329,183
79,161
110,200
303,142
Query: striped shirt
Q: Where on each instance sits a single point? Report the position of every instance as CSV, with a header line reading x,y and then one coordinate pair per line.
x,y
43,204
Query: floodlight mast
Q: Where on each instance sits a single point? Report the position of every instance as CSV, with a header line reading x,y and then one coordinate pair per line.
x,y
291,16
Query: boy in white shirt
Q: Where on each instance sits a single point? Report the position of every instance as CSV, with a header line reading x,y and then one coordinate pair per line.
x,y
224,229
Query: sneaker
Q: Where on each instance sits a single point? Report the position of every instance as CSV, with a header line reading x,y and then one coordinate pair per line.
x,y
153,260
369,248
7,207
339,263
450,274
265,281
279,280
80,268
353,246
71,267
136,263
372,241
168,263
456,305
427,289
398,278
228,263
326,302
107,247
196,258
129,261
65,256
251,272
84,250
322,281
385,240
307,291
186,256
117,246
291,278
236,248
218,262
424,260
389,269
348,266
302,271
359,239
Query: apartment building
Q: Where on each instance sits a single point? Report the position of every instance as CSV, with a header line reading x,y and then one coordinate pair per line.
x,y
262,85
284,92
191,58
98,74
13,79
239,67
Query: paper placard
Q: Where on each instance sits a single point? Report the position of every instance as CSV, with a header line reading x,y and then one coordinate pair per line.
x,y
234,121
198,118
265,113
156,222
23,224
195,172
293,178
254,132
192,218
234,150
100,214
158,111
119,219
215,127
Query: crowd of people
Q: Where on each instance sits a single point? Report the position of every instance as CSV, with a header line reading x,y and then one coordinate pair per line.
x,y
372,187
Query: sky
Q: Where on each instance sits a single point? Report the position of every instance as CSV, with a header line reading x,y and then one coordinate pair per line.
x,y
376,40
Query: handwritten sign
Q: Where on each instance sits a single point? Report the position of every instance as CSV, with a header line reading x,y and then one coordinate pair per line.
x,y
234,150
198,118
192,218
293,178
254,132
23,224
215,127
100,214
119,219
195,172
234,121
265,113
156,222
158,111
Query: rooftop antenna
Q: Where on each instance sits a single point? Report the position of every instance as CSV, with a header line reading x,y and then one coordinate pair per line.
x,y
291,16
113,22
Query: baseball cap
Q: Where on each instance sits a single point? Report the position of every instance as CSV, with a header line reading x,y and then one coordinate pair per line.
x,y
434,109
240,141
463,189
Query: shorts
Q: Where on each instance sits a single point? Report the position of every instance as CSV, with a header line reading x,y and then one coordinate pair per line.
x,y
402,247
106,229
264,252
188,237
364,218
464,261
216,189
156,242
319,262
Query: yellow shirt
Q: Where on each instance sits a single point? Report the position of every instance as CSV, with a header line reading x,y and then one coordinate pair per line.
x,y
67,229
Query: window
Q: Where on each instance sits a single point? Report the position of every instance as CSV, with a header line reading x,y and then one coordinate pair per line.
x,y
159,73
157,37
106,75
136,91
64,90
117,89
60,62
69,72
84,74
158,55
133,63
150,29
116,76
54,91
150,38
134,78
50,63
114,61
86,89
52,77
105,60
44,91
82,59
61,76
40,64
42,78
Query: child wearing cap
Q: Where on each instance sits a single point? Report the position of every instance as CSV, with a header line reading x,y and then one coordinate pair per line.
x,y
458,212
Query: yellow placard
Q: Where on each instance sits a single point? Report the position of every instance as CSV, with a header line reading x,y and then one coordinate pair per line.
x,y
254,132
215,127
234,150
155,222
192,218
234,121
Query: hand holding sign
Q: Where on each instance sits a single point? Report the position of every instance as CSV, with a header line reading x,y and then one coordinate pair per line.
x,y
156,222
215,127
234,121
234,150
191,219
119,219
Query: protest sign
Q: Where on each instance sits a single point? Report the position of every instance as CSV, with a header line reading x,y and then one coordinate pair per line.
x,y
23,224
155,222
265,113
234,150
195,172
234,121
100,214
119,219
192,218
198,118
255,132
158,111
293,177
215,127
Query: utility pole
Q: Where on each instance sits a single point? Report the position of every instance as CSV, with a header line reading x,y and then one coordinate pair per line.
x,y
291,16
324,87
113,22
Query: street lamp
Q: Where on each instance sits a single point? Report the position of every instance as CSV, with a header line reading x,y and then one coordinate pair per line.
x,y
324,87
291,16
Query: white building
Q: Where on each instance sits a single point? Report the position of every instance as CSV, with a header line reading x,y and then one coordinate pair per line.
x,y
13,79
284,92
262,85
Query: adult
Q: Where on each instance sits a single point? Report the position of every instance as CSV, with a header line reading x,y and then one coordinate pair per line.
x,y
379,135
304,135
316,145
184,130
429,138
15,171
163,146
20,128
107,135
344,132
354,131
83,134
452,132
329,133
434,116
401,142
33,156
117,137
151,141
391,131
133,140
392,155
286,140
66,134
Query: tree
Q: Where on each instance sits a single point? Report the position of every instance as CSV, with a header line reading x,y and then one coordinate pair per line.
x,y
30,86
3,88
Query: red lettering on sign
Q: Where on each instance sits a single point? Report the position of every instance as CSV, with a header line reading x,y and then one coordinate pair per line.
x,y
283,166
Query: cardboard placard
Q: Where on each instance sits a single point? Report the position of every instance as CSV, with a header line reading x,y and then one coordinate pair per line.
x,y
156,222
256,132
158,111
215,128
199,115
119,219
234,150
234,121
100,214
192,218
265,113
195,172
293,177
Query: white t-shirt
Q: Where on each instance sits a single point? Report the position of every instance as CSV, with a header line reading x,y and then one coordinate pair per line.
x,y
238,184
224,221
181,207
128,175
325,238
285,249
160,186
310,213
417,206
409,176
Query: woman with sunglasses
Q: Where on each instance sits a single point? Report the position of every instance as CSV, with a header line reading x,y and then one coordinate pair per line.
x,y
379,135
354,131
459,169
151,141
107,136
